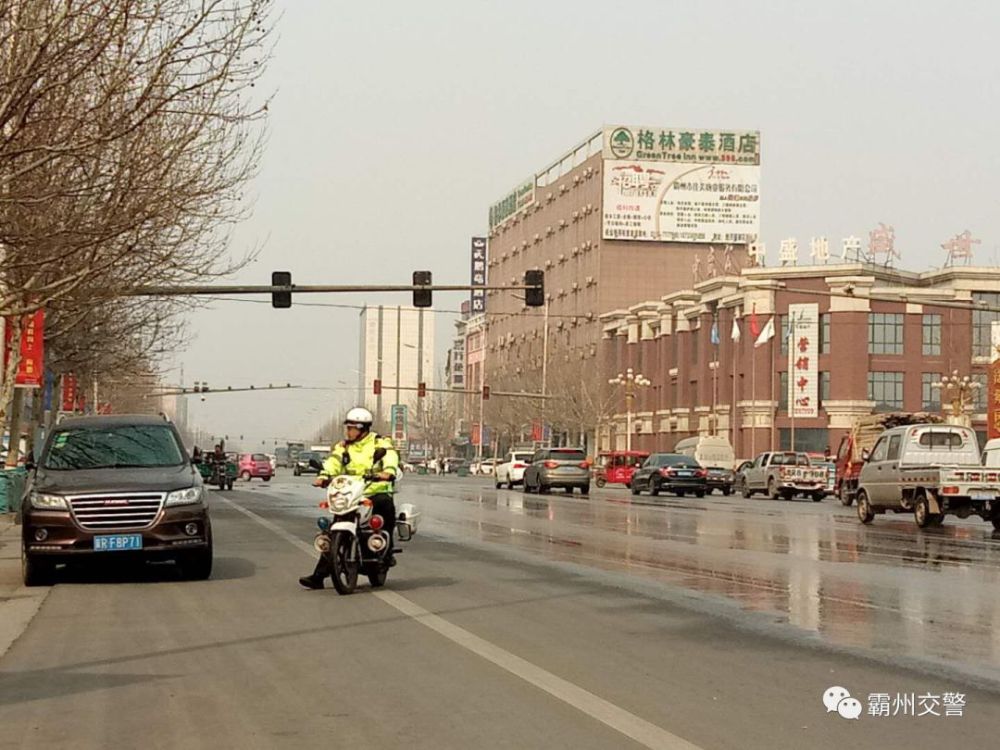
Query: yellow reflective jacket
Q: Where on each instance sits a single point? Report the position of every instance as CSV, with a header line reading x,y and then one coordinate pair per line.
x,y
361,458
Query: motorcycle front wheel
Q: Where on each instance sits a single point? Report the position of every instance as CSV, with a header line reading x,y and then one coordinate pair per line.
x,y
344,562
377,577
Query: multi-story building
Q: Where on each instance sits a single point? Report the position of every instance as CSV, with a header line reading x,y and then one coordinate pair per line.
x,y
862,339
397,348
604,224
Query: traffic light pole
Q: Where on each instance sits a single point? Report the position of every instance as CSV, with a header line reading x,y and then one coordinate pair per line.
x,y
214,290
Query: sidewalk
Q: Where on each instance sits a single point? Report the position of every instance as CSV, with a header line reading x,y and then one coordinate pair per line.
x,y
18,605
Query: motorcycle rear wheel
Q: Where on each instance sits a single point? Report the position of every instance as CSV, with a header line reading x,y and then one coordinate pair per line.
x,y
344,562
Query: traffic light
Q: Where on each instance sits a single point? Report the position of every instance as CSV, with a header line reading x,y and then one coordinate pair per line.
x,y
421,297
378,387
421,389
534,296
486,393
281,299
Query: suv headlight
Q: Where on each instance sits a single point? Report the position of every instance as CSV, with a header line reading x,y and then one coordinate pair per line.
x,y
189,496
45,501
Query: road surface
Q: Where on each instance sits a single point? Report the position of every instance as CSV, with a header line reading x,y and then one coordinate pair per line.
x,y
518,621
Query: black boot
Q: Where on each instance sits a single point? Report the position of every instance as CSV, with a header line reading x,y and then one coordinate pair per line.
x,y
311,582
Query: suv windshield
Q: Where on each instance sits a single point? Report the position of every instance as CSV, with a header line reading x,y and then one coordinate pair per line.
x,y
110,447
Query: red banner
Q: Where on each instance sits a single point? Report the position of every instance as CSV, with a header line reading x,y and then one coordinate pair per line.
x,y
475,433
69,393
993,405
30,371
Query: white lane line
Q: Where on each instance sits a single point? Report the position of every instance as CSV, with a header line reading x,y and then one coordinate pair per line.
x,y
635,728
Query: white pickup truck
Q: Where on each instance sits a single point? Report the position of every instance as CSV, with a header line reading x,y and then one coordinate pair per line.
x,y
784,474
930,470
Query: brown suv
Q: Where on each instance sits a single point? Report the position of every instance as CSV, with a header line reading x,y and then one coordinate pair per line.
x,y
118,488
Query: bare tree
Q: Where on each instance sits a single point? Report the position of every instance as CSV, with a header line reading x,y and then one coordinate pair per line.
x,y
438,421
128,130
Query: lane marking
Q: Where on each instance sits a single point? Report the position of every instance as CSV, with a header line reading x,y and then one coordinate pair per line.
x,y
634,727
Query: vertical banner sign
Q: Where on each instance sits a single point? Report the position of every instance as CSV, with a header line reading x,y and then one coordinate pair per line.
x,y
31,370
478,278
69,393
475,433
803,360
993,384
398,421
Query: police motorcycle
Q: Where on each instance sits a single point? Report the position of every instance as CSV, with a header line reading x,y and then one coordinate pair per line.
x,y
353,538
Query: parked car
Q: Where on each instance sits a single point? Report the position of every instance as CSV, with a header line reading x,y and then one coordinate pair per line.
x,y
119,488
273,460
670,472
255,465
510,470
784,474
304,465
558,467
931,470
720,479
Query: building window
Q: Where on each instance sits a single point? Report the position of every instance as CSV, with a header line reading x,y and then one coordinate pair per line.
x,y
824,333
809,439
782,330
885,333
931,326
824,387
783,391
980,395
886,390
673,343
930,397
694,345
982,320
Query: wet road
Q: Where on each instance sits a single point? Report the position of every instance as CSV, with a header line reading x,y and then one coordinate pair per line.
x,y
889,589
524,622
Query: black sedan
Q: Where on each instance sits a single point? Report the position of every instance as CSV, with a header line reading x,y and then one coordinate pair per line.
x,y
670,472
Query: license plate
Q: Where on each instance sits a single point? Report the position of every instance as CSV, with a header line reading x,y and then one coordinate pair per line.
x,y
982,496
683,473
117,542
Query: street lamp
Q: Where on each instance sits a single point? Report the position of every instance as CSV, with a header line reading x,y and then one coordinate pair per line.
x,y
962,389
631,380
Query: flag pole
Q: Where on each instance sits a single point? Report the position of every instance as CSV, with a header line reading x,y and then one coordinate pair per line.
x,y
732,409
790,394
774,405
753,405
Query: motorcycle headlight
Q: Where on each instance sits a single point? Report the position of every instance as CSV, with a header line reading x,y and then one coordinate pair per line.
x,y
44,501
188,496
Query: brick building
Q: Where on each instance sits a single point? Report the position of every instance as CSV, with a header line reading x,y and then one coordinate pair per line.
x,y
558,221
883,337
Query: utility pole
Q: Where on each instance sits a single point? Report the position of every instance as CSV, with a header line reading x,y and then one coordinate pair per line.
x,y
378,370
420,361
399,324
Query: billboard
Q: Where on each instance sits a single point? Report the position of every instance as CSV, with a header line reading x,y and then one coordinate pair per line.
x,y
477,300
672,185
397,421
803,360
514,202
31,366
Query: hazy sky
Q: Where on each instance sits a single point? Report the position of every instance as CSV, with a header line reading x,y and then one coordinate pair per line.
x,y
396,124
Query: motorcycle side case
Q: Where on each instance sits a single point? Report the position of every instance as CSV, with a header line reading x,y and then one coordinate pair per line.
x,y
407,520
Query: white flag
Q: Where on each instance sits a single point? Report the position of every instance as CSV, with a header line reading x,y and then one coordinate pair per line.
x,y
766,334
735,335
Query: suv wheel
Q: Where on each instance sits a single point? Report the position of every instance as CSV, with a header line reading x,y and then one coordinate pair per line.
x,y
772,489
634,488
197,566
543,489
745,490
36,572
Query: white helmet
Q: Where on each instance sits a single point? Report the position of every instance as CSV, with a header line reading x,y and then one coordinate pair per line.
x,y
359,417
